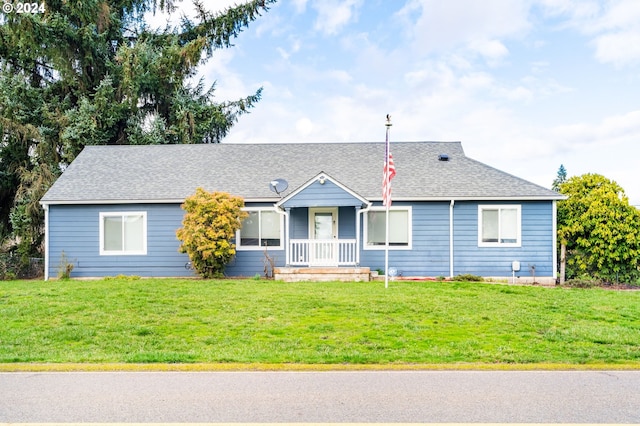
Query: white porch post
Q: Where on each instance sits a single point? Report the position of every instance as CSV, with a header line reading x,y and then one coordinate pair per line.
x,y
357,235
287,245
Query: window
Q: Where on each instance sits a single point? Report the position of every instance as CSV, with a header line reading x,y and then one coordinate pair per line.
x,y
123,233
262,228
399,228
499,226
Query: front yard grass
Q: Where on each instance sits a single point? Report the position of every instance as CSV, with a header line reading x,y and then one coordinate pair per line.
x,y
269,322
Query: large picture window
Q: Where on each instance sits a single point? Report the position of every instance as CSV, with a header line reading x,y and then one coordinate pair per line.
x,y
399,228
123,233
499,226
262,228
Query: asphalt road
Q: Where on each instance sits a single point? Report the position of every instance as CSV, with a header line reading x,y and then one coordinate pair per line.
x,y
387,396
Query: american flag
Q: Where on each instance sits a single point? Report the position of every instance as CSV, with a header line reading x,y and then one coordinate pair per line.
x,y
389,173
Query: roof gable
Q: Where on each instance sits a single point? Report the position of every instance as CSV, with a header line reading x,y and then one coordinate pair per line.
x,y
322,191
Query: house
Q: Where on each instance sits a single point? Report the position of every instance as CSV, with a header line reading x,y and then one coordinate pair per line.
x,y
115,210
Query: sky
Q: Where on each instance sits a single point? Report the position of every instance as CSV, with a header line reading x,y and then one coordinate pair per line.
x,y
525,85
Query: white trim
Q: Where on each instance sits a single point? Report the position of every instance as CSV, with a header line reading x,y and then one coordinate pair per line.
x,y
240,247
159,201
46,242
358,210
278,201
104,252
488,198
499,207
382,209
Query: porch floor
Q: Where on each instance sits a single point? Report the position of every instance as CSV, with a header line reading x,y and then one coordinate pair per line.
x,y
294,274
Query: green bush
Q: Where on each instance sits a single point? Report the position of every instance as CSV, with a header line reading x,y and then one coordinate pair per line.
x,y
209,225
64,267
468,277
582,282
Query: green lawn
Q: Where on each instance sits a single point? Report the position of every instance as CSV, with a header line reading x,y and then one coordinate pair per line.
x,y
233,321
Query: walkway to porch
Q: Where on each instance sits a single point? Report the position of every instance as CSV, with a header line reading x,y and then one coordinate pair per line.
x,y
293,274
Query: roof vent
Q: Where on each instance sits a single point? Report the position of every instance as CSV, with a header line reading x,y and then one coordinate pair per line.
x,y
443,157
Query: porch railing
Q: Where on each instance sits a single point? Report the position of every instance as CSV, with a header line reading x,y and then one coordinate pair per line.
x,y
336,252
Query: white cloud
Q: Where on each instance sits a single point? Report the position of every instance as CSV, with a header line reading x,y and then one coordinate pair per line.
x,y
333,15
618,28
614,26
300,5
286,53
611,131
618,48
578,10
490,49
304,127
437,25
621,14
186,8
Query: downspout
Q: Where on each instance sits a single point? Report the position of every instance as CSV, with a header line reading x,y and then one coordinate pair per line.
x,y
46,241
451,238
554,237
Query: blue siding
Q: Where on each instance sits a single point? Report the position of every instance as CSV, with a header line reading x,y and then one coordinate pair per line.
x,y
299,223
75,230
327,195
248,263
430,253
347,222
536,249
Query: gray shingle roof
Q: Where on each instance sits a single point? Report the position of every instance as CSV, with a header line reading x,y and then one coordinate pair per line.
x,y
158,173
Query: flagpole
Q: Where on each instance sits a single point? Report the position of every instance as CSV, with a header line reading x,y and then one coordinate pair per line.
x,y
386,239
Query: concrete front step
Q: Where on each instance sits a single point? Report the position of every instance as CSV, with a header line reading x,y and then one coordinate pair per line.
x,y
322,274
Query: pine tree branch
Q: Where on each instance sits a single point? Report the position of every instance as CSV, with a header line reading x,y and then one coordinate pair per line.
x,y
219,29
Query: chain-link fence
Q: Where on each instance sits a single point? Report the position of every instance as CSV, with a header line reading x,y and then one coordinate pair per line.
x,y
14,267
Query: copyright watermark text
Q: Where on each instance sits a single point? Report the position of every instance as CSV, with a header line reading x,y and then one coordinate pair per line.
x,y
22,7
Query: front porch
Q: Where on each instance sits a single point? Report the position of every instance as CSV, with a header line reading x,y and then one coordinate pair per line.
x,y
294,274
322,230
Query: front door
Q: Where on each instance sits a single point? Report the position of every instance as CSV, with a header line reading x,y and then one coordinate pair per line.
x,y
323,232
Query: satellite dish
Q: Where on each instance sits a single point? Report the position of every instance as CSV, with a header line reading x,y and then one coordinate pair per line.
x,y
278,185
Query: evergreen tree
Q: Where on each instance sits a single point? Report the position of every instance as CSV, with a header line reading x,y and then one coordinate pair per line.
x,y
560,179
93,72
